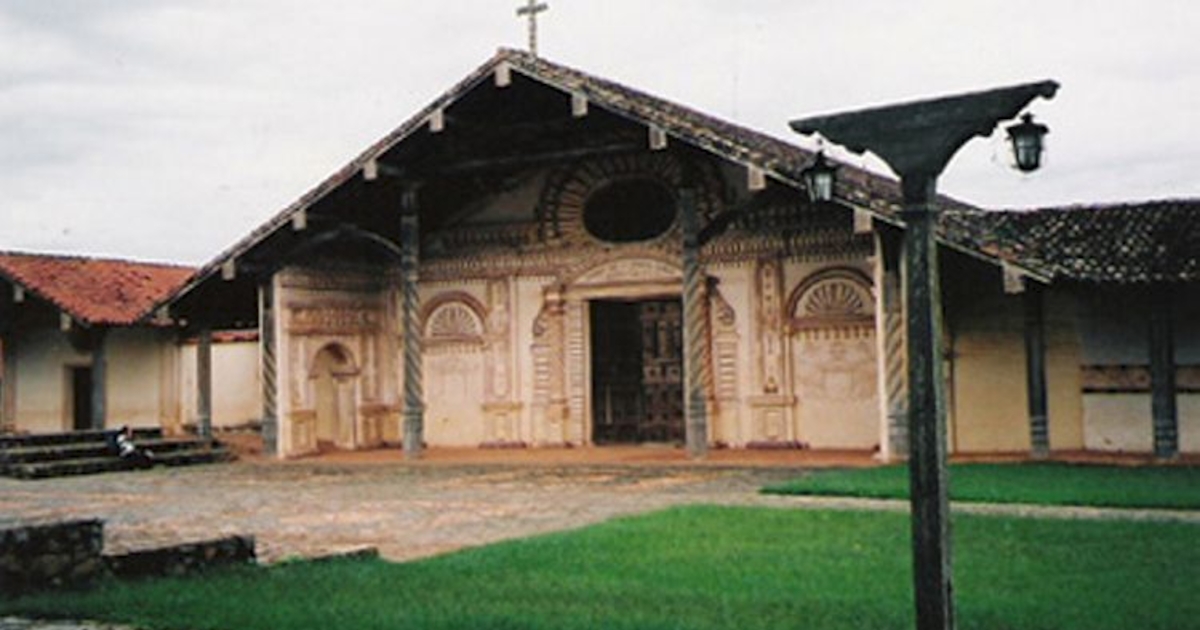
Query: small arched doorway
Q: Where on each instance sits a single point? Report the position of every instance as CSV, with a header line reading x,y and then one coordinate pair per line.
x,y
334,379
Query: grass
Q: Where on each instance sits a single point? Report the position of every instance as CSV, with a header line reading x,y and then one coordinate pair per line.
x,y
1175,487
701,568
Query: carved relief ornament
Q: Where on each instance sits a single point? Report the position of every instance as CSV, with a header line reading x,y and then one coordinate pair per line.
x,y
832,298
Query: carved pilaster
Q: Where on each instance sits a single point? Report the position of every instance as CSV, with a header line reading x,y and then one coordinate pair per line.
x,y
769,290
771,405
549,384
500,407
889,315
577,384
725,342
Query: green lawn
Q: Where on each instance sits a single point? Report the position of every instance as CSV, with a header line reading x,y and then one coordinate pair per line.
x,y
1176,487
700,567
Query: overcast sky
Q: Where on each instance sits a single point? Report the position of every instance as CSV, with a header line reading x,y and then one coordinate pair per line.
x,y
168,129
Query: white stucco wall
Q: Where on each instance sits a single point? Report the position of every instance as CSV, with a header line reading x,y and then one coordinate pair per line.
x,y
1115,331
135,362
43,395
236,383
135,366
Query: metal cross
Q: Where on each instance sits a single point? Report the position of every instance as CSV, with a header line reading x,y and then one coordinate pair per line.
x,y
530,10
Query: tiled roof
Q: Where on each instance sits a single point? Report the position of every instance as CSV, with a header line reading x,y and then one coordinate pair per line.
x,y
1155,241
784,161
91,290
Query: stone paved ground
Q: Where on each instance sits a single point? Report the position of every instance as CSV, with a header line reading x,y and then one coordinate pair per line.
x,y
337,504
306,509
342,503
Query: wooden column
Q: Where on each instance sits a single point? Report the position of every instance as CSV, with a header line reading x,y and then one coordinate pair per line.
x,y
890,332
695,338
204,383
99,378
927,408
7,374
267,353
414,391
1162,373
1035,369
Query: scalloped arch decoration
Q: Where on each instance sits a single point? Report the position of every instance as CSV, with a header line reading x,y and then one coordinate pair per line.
x,y
832,297
454,318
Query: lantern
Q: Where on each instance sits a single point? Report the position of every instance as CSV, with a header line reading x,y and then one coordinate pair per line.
x,y
818,179
1027,142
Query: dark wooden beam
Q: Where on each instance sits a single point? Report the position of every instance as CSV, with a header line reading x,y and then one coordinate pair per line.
x,y
922,136
99,394
413,405
204,383
1164,408
917,140
1035,369
928,478
695,322
511,161
267,364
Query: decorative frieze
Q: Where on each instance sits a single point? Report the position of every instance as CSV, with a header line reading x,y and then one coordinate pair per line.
x,y
333,318
341,279
631,270
1134,379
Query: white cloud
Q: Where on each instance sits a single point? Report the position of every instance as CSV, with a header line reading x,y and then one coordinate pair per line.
x,y
169,128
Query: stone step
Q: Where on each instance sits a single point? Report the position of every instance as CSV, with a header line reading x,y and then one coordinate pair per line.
x,y
72,437
85,450
112,463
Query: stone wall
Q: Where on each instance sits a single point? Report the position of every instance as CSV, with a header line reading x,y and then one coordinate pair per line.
x,y
182,559
36,556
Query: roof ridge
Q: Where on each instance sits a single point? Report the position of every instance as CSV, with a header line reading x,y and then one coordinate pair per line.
x,y
93,258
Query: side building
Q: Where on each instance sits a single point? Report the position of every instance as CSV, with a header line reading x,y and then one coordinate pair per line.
x,y
79,352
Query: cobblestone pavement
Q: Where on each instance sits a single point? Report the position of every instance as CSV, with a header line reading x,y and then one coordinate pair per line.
x,y
409,511
405,511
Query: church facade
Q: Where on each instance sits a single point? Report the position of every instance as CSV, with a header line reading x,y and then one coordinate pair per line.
x,y
552,282
546,258
542,257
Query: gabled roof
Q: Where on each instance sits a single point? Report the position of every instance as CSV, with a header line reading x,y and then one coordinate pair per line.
x,y
1153,241
856,187
93,290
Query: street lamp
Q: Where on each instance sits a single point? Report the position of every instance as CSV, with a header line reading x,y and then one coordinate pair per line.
x,y
917,140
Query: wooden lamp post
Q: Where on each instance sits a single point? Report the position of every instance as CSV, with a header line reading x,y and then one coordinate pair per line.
x,y
917,140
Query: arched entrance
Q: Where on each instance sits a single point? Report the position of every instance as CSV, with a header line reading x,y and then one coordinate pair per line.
x,y
335,378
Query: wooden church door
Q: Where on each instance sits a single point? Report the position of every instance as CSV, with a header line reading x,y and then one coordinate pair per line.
x,y
637,371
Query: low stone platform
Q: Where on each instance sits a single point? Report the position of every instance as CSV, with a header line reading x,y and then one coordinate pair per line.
x,y
40,456
40,555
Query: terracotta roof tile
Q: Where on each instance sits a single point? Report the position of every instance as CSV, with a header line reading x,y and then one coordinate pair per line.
x,y
1153,241
93,290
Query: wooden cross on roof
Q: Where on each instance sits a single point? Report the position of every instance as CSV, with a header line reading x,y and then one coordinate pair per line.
x,y
531,10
